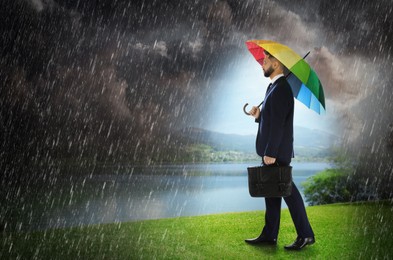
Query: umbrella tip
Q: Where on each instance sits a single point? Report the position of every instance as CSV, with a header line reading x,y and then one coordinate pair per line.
x,y
306,54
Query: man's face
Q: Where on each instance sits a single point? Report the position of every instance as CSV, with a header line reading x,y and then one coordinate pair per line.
x,y
267,67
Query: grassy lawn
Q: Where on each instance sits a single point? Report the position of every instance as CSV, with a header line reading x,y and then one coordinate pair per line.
x,y
343,231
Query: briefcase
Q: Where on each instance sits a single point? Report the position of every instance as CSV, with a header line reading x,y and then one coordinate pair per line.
x,y
270,181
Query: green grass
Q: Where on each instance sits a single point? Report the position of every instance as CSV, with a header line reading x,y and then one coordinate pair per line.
x,y
343,231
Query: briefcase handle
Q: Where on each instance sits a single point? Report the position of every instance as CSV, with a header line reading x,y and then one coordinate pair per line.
x,y
274,164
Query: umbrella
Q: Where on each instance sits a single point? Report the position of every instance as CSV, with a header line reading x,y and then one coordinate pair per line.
x,y
305,84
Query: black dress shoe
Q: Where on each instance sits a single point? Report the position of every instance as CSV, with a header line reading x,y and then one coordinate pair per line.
x,y
300,243
261,240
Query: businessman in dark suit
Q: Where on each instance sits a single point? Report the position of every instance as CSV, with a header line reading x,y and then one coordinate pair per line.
x,y
275,145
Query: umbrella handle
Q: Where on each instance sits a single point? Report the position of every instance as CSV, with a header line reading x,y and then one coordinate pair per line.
x,y
244,108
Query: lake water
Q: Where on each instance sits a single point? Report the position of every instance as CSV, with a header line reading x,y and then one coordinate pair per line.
x,y
148,193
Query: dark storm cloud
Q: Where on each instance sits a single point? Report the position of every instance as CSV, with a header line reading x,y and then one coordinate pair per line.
x,y
352,56
110,77
89,83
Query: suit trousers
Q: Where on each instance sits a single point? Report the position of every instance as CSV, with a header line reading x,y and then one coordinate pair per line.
x,y
298,213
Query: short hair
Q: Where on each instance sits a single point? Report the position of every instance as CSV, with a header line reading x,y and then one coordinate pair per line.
x,y
267,54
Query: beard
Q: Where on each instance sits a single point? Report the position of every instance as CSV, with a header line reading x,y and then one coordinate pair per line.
x,y
268,72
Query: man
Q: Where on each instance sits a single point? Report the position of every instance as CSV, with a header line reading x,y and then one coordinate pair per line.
x,y
275,145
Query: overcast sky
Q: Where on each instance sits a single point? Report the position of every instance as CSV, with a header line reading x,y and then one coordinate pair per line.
x,y
118,74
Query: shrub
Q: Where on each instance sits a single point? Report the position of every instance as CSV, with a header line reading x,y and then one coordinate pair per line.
x,y
329,186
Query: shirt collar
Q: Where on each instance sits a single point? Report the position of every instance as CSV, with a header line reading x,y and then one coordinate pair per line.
x,y
277,77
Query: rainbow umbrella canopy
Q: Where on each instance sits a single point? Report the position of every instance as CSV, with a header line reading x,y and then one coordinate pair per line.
x,y
305,84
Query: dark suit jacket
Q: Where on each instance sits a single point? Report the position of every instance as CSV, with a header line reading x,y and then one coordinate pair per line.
x,y
275,132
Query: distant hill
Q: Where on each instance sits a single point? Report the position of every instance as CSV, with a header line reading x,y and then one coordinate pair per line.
x,y
220,141
306,137
307,142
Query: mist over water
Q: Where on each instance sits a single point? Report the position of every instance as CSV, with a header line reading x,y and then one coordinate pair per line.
x,y
140,193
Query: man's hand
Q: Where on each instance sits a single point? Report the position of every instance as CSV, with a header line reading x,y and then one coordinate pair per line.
x,y
255,112
269,160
